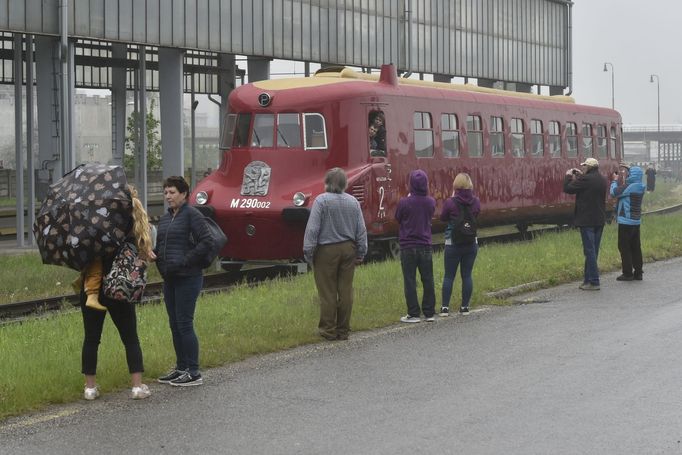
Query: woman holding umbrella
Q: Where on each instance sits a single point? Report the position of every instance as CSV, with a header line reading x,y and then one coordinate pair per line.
x,y
122,313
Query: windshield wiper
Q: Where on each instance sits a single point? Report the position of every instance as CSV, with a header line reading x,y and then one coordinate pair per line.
x,y
283,138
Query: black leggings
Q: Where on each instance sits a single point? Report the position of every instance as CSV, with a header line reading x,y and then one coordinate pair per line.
x,y
123,315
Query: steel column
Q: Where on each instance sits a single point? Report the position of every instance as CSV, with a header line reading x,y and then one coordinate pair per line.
x,y
18,133
170,100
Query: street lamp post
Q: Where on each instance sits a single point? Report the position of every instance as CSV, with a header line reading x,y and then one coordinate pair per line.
x,y
613,104
658,109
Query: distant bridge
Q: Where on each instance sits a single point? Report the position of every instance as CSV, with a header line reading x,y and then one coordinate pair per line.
x,y
669,139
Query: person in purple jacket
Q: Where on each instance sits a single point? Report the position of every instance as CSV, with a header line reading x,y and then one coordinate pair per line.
x,y
414,213
460,255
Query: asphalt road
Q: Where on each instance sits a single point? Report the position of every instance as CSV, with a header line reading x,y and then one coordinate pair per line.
x,y
575,372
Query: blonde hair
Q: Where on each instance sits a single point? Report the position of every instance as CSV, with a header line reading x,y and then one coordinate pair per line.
x,y
141,227
462,182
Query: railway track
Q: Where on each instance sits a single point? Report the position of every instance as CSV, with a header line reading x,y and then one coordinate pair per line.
x,y
219,282
223,281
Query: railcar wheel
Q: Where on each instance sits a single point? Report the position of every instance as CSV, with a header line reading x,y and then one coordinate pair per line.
x,y
393,249
231,267
522,228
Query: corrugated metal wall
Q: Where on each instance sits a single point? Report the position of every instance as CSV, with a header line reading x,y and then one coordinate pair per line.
x,y
512,40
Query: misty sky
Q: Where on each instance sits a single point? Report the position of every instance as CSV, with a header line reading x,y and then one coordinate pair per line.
x,y
639,38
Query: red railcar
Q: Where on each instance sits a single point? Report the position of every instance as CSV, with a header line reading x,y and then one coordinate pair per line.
x,y
283,135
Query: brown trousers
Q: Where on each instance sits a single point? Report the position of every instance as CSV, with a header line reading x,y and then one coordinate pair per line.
x,y
334,266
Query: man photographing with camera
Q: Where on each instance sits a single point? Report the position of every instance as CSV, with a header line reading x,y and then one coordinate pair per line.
x,y
589,187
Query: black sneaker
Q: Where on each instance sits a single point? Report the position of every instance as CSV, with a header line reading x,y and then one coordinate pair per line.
x,y
187,380
464,310
625,277
171,375
638,277
444,311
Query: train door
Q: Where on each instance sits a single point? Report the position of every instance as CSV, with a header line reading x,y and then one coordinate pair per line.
x,y
383,195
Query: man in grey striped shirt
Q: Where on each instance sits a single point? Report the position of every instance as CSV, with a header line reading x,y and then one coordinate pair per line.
x,y
335,241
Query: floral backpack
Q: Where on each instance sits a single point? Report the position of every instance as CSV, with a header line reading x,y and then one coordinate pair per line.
x,y
128,275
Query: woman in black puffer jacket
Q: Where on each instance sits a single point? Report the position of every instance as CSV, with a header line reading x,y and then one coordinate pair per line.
x,y
182,240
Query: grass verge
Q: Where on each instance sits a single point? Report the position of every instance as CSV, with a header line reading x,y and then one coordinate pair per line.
x,y
42,357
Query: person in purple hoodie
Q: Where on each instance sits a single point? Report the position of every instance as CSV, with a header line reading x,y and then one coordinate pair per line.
x,y
414,213
460,255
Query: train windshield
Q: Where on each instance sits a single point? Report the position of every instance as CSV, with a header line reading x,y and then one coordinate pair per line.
x,y
284,130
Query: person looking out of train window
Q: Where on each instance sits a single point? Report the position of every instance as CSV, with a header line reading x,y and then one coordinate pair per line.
x,y
335,242
373,145
414,213
629,190
377,133
589,187
461,245
177,261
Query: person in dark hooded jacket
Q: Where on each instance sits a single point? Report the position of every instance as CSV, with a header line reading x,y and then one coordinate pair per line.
x,y
629,216
414,213
459,255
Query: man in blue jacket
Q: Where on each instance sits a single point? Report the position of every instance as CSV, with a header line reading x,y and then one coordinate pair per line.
x,y
629,190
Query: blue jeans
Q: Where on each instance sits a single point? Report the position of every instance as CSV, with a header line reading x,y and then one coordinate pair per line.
x,y
456,256
180,296
591,236
411,260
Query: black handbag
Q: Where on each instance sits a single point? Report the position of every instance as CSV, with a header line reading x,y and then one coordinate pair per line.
x,y
128,275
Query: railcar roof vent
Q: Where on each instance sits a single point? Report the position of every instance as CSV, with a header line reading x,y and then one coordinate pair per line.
x,y
389,75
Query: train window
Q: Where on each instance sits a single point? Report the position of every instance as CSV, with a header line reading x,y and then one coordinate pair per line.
x,y
572,140
518,139
263,131
423,134
601,141
450,134
377,133
228,131
587,140
314,131
614,151
497,136
554,139
536,138
241,132
288,130
474,135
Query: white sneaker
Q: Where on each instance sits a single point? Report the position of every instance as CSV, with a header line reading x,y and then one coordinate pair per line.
x,y
91,393
140,393
430,319
409,318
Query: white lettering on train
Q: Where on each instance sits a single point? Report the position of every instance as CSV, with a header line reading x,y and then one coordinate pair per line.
x,y
249,203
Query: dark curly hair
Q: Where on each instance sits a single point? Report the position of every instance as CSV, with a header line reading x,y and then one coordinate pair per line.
x,y
178,182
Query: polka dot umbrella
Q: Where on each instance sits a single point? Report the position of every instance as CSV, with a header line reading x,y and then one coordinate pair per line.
x,y
86,214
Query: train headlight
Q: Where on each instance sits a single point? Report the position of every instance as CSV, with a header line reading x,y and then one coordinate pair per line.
x,y
299,199
201,198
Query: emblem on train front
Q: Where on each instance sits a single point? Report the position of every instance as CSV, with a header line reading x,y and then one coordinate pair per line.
x,y
256,179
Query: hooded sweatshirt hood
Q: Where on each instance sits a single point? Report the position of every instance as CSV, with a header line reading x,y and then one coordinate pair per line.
x,y
465,196
635,175
419,183
415,212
